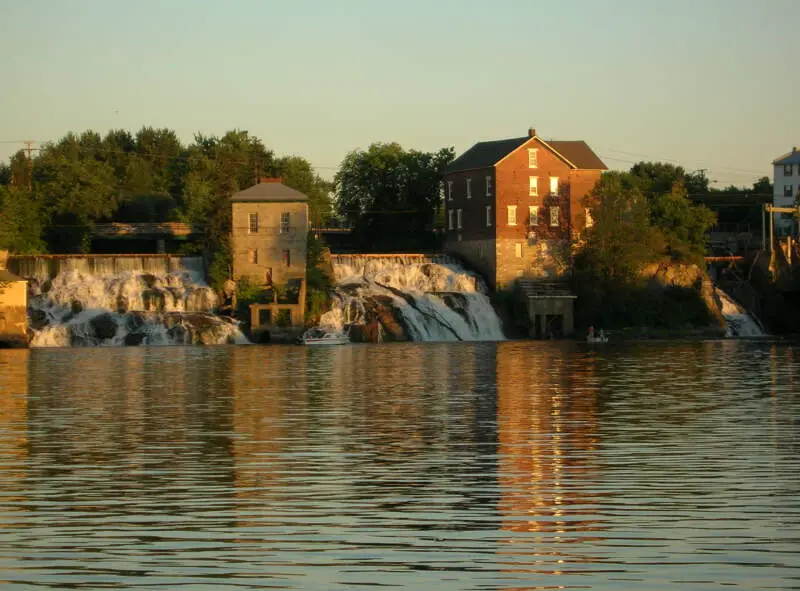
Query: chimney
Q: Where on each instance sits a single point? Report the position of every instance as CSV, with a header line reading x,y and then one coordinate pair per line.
x,y
269,179
531,132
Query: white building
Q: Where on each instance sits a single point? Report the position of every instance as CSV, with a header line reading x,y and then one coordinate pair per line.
x,y
786,187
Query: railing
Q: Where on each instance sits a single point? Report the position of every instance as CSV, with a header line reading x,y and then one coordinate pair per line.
x,y
145,229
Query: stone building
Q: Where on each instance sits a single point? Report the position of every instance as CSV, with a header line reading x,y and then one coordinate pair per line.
x,y
13,307
269,239
512,206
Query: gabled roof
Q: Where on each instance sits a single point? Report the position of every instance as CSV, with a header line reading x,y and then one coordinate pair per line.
x,y
266,192
7,276
486,154
579,153
792,157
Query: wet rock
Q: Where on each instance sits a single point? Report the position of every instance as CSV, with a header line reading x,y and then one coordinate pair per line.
x,y
134,339
76,307
122,304
104,326
148,280
38,319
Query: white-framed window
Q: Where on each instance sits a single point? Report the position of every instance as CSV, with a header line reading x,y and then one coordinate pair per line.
x,y
469,188
534,186
252,223
284,222
554,185
787,170
459,218
450,219
787,191
518,249
488,216
252,256
589,218
449,190
533,216
512,215
554,216
488,186
533,158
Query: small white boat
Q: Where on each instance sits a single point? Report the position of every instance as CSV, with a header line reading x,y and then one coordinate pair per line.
x,y
599,337
324,336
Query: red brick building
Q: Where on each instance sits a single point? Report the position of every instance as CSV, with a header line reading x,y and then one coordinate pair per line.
x,y
512,206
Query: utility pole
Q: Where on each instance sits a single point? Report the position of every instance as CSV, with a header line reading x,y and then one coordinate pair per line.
x,y
30,166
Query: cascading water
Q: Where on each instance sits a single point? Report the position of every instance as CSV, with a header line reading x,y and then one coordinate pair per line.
x,y
123,301
424,298
739,322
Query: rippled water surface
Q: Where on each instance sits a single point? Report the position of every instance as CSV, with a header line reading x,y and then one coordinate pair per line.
x,y
420,466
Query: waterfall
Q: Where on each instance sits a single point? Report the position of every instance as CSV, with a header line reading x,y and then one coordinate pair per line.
x,y
128,300
431,298
739,322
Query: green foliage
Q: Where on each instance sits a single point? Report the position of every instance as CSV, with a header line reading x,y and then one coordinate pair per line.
x,y
318,280
220,266
297,173
385,188
684,225
635,223
20,222
622,238
248,293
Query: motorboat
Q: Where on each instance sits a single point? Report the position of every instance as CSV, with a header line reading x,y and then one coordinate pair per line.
x,y
324,336
596,337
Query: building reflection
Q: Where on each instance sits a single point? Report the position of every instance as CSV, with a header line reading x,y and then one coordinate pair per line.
x,y
13,425
547,423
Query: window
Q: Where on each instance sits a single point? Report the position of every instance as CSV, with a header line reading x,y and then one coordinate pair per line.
x,y
458,218
554,185
533,158
252,256
252,223
488,216
518,249
787,191
589,219
284,222
488,186
469,188
450,219
787,170
534,186
512,215
287,258
449,190
554,216
533,216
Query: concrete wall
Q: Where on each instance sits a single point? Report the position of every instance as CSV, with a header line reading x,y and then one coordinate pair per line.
x,y
269,242
479,255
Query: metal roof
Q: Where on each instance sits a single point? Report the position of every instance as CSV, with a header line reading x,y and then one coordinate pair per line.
x,y
792,157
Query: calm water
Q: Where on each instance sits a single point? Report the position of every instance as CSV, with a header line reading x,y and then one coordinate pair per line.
x,y
448,466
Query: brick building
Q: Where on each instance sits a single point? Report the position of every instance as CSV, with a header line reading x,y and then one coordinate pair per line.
x,y
512,206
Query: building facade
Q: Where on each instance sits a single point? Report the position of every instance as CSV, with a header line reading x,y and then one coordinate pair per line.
x,y
786,188
13,307
513,206
270,232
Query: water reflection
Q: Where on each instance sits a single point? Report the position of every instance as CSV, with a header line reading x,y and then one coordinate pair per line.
x,y
455,466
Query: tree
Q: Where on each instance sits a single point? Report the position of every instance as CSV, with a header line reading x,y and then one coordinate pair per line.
x,y
297,173
20,222
657,178
684,225
385,189
622,239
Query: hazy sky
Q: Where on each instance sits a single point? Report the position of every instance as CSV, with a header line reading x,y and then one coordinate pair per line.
x,y
708,83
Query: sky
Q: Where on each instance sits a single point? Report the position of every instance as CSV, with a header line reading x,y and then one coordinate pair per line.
x,y
708,84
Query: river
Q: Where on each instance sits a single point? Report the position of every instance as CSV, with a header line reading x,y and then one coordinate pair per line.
x,y
509,465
